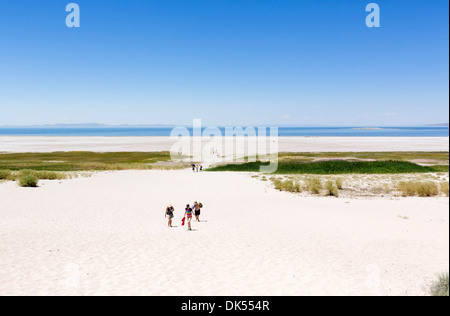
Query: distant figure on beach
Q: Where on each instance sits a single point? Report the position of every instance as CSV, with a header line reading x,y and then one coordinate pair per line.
x,y
193,167
188,214
201,168
197,167
169,214
197,207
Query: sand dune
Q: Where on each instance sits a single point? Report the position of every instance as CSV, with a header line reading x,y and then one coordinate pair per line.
x,y
107,235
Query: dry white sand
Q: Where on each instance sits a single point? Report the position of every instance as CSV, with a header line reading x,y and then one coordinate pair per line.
x,y
286,144
107,235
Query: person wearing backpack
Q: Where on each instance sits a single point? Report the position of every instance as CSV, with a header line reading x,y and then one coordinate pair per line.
x,y
169,214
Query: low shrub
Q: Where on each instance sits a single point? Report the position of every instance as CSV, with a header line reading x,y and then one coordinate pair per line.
x,y
28,181
427,189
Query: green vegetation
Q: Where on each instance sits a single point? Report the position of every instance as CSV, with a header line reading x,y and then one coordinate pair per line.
x,y
440,168
441,286
332,167
29,168
87,161
5,174
437,157
29,181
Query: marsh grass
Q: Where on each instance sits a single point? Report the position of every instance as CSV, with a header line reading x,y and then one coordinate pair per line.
x,y
332,167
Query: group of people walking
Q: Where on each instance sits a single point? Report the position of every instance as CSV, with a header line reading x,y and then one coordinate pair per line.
x,y
189,212
196,168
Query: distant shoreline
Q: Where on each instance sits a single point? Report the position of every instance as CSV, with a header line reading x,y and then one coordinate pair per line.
x,y
17,144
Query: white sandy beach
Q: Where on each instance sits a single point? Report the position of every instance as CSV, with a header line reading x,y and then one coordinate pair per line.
x,y
107,235
286,144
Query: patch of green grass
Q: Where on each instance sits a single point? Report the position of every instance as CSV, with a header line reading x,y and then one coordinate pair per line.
x,y
333,167
83,161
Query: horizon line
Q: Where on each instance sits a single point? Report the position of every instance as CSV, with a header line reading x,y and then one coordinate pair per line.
x,y
87,125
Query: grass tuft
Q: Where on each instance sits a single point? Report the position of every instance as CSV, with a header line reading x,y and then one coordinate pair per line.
x,y
287,185
332,188
421,189
441,286
314,185
444,188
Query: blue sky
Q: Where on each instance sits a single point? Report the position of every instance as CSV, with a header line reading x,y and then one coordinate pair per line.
x,y
231,62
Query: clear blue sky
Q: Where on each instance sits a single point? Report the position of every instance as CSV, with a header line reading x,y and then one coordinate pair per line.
x,y
232,62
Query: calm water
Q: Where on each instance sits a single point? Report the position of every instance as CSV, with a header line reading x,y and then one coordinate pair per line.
x,y
283,131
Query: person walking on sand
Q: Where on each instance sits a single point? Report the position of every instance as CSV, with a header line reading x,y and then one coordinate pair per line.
x,y
197,207
188,214
169,214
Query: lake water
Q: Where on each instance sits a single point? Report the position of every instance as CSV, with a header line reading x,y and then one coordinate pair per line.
x,y
282,131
